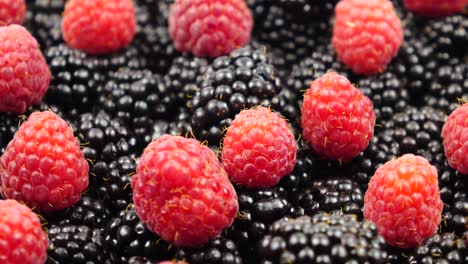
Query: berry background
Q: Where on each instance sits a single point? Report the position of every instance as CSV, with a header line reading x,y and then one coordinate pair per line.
x,y
119,103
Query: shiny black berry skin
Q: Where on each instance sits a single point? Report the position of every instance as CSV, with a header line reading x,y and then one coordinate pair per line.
x,y
441,248
322,238
89,211
239,81
76,244
449,34
218,251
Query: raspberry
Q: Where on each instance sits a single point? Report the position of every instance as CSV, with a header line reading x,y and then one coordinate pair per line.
x,y
22,239
259,148
99,26
182,192
43,165
24,74
12,11
210,28
337,119
455,134
403,200
367,34
435,8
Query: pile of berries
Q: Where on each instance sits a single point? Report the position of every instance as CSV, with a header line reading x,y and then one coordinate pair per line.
x,y
233,131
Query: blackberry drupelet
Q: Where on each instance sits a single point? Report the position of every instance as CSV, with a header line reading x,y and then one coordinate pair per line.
x,y
386,92
453,193
76,244
441,248
332,195
127,236
140,260
218,251
306,10
184,76
257,210
45,21
241,80
88,211
322,238
449,34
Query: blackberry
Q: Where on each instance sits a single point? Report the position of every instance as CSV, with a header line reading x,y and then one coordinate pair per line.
x,y
306,10
414,129
45,21
114,181
453,193
127,236
184,76
76,244
137,97
140,260
336,194
9,124
241,80
257,210
322,238
441,248
449,34
386,92
218,251
88,211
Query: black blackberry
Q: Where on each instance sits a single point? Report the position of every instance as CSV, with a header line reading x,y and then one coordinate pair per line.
x,y
45,21
453,193
137,97
140,260
322,238
257,210
336,194
449,34
9,124
441,248
306,10
127,236
184,76
218,251
76,244
415,129
88,211
387,93
241,80
114,181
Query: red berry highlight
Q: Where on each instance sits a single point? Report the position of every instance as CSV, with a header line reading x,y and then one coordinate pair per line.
x,y
12,11
366,35
99,26
403,201
337,118
22,239
24,74
455,135
210,28
259,148
182,192
43,166
435,8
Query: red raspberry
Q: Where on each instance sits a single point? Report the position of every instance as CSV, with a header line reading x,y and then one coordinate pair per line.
x,y
182,192
337,118
24,74
12,11
99,26
210,28
403,200
455,134
259,148
22,239
435,8
367,34
43,165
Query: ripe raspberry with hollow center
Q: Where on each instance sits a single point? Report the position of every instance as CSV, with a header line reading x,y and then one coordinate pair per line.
x,y
210,28
455,135
43,165
367,34
22,239
259,148
12,11
435,8
403,200
99,26
337,118
182,192
24,74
